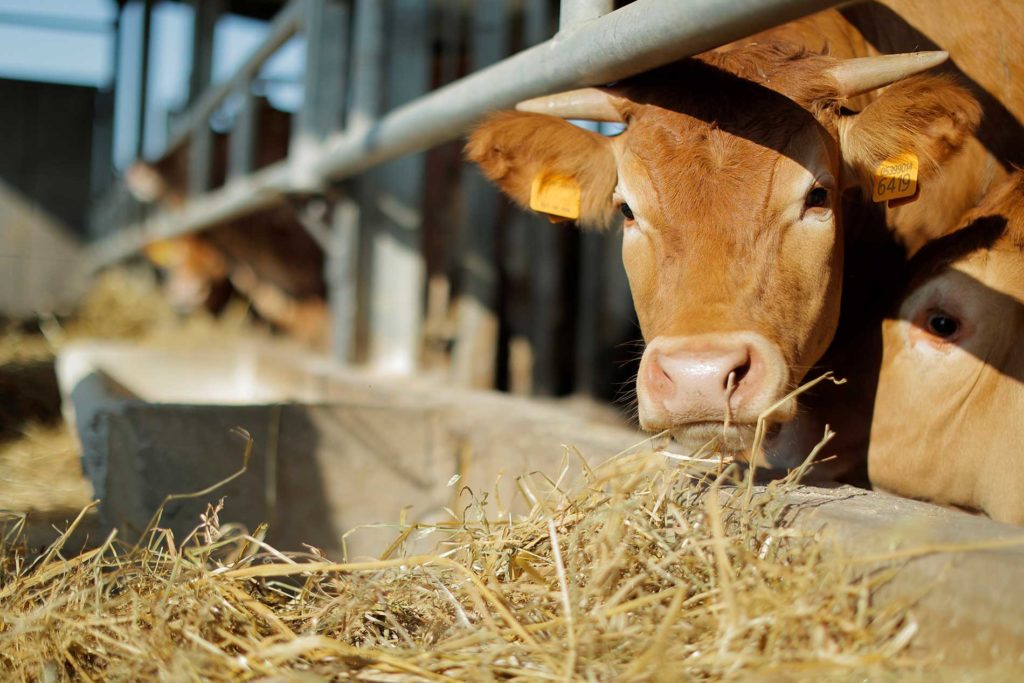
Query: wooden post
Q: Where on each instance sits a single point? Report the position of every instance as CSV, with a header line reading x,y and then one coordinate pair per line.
x,y
476,341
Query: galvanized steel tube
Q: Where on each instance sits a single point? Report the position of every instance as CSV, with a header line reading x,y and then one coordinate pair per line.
x,y
636,38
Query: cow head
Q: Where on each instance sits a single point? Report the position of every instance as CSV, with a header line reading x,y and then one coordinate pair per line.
x,y
951,388
728,179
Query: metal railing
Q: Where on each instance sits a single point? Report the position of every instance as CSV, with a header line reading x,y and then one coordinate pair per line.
x,y
594,46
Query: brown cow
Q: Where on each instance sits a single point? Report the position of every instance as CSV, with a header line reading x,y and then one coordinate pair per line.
x,y
267,257
947,420
731,177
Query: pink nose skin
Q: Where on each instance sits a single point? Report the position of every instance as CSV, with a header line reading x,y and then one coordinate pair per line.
x,y
687,379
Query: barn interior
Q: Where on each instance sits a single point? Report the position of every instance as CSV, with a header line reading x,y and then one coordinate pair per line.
x,y
258,312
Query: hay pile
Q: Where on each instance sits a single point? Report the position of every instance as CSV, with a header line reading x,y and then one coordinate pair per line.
x,y
648,573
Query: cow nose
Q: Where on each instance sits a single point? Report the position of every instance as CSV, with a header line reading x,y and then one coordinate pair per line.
x,y
690,382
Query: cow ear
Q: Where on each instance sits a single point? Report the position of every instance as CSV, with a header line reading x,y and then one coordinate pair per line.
x,y
514,148
929,116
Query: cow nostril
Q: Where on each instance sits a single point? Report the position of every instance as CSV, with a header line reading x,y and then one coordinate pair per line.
x,y
736,376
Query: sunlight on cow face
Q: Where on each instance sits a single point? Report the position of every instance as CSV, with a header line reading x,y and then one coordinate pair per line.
x,y
727,183
946,425
734,261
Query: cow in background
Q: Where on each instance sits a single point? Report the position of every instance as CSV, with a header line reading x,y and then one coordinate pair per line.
x,y
266,257
946,424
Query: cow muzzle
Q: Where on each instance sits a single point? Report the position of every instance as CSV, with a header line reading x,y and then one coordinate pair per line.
x,y
703,386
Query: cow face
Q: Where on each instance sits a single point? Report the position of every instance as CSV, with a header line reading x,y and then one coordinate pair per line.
x,y
728,182
945,426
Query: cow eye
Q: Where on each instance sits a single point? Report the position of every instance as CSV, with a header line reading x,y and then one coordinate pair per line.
x,y
817,198
626,211
943,325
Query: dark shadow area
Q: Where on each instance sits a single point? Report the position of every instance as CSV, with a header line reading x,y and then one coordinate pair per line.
x,y
856,354
28,393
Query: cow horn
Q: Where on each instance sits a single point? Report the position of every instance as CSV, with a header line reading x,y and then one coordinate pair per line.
x,y
591,104
858,76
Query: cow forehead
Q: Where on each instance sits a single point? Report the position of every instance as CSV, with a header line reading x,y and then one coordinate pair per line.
x,y
679,167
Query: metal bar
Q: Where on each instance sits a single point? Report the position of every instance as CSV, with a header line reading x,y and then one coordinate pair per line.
x,y
342,276
367,65
242,138
284,26
551,356
326,28
477,336
636,38
200,162
147,22
398,271
205,16
588,308
572,12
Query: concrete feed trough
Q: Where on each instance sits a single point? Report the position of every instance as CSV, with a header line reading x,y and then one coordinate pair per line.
x,y
333,450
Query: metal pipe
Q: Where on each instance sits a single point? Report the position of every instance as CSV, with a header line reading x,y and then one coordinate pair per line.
x,y
284,26
147,26
636,38
572,12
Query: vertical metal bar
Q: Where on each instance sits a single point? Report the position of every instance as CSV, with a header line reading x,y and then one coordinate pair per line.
x,y
200,160
200,140
476,345
204,22
325,25
591,253
342,266
147,21
399,269
546,253
364,103
242,138
575,11
363,107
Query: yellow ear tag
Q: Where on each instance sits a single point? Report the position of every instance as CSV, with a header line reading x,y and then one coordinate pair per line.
x,y
555,195
896,177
